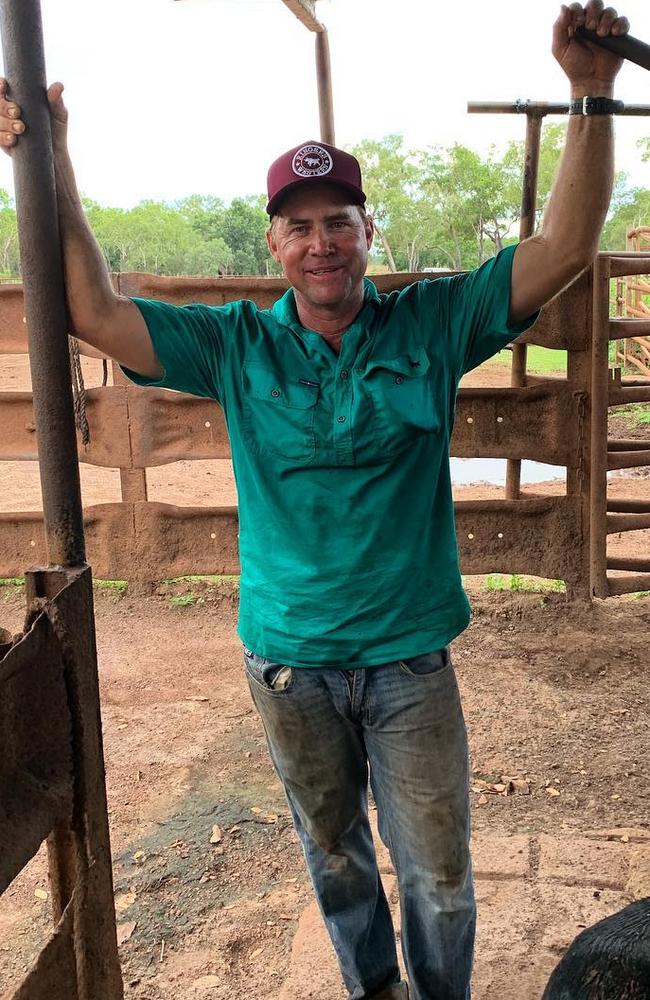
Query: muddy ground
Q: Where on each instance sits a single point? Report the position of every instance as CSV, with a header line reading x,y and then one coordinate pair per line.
x,y
554,694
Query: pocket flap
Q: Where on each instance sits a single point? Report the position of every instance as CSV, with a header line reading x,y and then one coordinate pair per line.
x,y
412,365
261,382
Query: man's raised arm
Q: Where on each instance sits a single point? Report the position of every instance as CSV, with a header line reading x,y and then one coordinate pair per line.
x,y
99,316
576,211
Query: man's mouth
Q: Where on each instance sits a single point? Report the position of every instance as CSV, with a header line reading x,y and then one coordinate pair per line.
x,y
318,271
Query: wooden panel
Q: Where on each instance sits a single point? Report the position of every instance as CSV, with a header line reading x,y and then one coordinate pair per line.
x,y
171,426
540,537
152,541
540,423
565,321
107,419
141,428
13,332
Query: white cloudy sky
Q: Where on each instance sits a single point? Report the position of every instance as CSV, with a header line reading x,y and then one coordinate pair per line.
x,y
170,98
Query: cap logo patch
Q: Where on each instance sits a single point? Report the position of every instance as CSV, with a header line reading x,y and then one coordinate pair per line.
x,y
312,161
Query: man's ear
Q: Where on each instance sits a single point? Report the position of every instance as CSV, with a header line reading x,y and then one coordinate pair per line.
x,y
271,243
369,227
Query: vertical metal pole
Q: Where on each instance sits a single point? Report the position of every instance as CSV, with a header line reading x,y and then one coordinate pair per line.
x,y
45,308
599,413
526,229
324,80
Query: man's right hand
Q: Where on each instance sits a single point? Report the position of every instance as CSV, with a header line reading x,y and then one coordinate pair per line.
x,y
12,126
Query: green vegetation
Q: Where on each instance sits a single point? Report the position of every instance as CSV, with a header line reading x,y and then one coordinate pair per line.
x,y
186,601
116,587
638,413
436,207
540,360
12,581
524,584
201,579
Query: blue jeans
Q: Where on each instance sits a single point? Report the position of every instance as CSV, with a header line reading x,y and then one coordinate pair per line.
x,y
402,722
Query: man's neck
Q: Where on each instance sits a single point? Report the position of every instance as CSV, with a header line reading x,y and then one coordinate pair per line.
x,y
330,323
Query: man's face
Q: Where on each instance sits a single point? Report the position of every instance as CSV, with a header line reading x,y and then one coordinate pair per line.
x,y
322,243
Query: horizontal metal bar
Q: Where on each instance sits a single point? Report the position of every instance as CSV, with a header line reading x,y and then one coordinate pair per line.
x,y
635,565
619,444
623,329
627,522
622,267
629,506
540,108
628,584
628,459
620,395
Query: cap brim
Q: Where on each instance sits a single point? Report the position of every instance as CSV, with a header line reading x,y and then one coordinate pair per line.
x,y
358,197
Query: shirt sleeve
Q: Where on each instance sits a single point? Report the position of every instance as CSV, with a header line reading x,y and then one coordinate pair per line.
x,y
189,342
474,309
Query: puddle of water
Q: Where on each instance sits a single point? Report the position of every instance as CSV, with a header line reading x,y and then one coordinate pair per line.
x,y
477,471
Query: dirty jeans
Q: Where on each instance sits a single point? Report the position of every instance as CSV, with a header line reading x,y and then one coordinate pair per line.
x,y
402,722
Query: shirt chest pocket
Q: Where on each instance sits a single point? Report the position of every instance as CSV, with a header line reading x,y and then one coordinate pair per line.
x,y
404,400
279,413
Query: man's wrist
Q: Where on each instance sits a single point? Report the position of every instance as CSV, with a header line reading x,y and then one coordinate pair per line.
x,y
592,88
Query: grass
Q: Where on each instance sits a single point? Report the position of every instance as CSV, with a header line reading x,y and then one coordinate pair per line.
x,y
186,601
116,587
524,584
639,413
12,581
201,579
540,360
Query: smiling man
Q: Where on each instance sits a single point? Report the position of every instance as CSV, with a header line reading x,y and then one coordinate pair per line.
x,y
340,404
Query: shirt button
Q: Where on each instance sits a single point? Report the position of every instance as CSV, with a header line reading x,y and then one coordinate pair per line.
x,y
399,379
341,420
344,373
275,392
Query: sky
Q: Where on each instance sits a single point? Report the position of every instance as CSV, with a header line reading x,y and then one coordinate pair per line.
x,y
174,97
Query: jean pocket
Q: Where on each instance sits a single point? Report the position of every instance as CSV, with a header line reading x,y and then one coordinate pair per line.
x,y
276,678
426,665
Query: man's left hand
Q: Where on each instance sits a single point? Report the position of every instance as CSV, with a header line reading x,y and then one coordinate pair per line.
x,y
588,66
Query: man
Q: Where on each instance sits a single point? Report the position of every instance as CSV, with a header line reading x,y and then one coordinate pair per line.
x,y
339,404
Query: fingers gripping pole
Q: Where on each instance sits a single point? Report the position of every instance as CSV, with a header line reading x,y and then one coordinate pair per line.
x,y
623,45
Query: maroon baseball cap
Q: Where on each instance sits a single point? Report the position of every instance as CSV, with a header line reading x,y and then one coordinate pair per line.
x,y
313,161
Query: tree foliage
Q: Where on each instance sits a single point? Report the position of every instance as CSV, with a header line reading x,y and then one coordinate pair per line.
x,y
439,207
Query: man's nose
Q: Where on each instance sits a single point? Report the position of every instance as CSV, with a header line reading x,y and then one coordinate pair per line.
x,y
321,242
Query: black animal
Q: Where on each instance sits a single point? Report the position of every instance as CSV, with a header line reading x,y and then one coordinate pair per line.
x,y
609,961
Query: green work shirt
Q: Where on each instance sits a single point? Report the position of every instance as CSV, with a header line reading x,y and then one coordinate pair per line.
x,y
347,538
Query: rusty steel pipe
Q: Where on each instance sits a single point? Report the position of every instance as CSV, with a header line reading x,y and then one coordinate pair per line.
x,y
45,308
599,414
526,229
542,108
324,82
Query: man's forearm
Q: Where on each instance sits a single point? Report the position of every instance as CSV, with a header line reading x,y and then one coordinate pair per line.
x,y
89,288
580,198
110,323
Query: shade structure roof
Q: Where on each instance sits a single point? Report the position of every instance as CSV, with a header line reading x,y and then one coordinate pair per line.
x,y
305,11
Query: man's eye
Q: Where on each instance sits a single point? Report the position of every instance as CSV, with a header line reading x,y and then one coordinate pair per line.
x,y
339,225
300,230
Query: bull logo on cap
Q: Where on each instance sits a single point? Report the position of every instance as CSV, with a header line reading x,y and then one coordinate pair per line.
x,y
312,161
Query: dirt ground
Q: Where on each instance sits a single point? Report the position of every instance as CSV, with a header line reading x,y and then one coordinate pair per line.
x,y
557,696
210,884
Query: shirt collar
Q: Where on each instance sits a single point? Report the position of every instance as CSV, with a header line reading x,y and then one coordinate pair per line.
x,y
286,314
